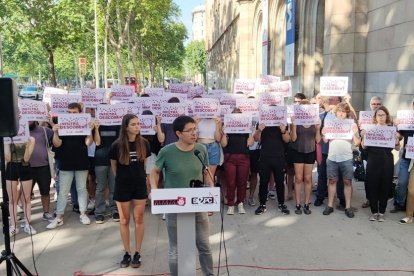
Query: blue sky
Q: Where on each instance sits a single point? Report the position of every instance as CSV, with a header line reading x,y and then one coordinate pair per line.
x,y
187,7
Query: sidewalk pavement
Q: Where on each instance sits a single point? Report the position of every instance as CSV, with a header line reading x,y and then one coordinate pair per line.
x,y
270,244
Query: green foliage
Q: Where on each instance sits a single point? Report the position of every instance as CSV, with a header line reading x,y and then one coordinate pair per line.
x,y
195,58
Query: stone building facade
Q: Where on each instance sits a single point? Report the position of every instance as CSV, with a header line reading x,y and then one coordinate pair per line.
x,y
370,41
198,23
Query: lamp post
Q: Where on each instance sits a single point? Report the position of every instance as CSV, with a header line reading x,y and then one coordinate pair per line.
x,y
96,48
1,56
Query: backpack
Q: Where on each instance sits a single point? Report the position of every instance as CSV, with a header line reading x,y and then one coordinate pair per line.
x,y
359,170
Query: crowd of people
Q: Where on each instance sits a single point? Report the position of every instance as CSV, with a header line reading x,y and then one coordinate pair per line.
x,y
116,168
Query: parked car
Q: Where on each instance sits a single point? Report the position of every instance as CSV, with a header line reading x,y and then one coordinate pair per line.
x,y
32,92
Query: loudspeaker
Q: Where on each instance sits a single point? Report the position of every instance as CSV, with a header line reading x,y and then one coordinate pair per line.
x,y
9,120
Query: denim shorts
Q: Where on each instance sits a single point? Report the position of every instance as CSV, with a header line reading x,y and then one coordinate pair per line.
x,y
213,150
345,167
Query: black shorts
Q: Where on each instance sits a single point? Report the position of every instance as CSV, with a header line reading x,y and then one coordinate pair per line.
x,y
16,171
41,176
304,158
254,160
91,169
125,192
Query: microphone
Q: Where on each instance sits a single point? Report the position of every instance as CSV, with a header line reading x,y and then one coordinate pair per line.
x,y
197,153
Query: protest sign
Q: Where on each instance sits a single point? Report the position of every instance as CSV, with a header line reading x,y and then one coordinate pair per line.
x,y
334,86
179,88
273,115
195,91
133,108
147,124
409,148
215,93
246,86
181,97
339,129
230,99
248,106
154,91
225,109
271,99
206,108
282,88
237,123
405,119
110,115
365,118
33,110
92,97
170,111
380,136
23,133
190,107
306,114
74,124
59,102
122,93
52,90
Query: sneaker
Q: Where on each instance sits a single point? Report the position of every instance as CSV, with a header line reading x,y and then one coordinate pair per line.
x,y
381,217
163,216
91,204
397,209
328,210
115,217
76,208
271,195
373,217
55,223
318,202
13,230
230,210
125,260
240,208
84,219
99,219
306,209
349,213
29,229
260,210
251,202
283,208
406,220
48,217
55,197
298,210
136,260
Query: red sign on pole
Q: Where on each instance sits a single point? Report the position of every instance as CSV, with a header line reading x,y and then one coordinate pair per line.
x,y
82,66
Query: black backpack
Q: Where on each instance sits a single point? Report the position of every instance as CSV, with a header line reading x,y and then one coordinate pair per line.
x,y
359,172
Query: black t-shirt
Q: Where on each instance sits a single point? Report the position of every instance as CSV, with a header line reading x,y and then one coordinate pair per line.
x,y
108,135
237,143
155,145
133,172
73,153
271,141
406,134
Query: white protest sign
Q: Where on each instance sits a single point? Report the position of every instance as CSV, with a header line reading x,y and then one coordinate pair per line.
x,y
144,102
156,104
59,102
334,86
206,108
237,123
380,136
230,99
190,107
147,124
170,111
181,97
246,86
179,88
225,109
33,110
268,79
110,115
409,148
133,108
92,97
271,99
282,88
52,90
248,106
23,133
154,91
289,109
405,119
74,124
339,129
195,91
122,93
273,115
215,93
306,114
365,118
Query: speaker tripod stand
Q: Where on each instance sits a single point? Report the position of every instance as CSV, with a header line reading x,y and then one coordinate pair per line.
x,y
12,262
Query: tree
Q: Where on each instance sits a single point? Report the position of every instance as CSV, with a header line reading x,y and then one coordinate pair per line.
x,y
195,58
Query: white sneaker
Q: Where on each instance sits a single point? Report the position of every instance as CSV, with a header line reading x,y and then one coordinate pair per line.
x,y
29,229
163,216
84,219
55,197
230,210
55,223
240,207
13,230
91,204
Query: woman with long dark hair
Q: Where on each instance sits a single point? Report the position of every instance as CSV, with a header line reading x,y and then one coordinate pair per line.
x,y
128,156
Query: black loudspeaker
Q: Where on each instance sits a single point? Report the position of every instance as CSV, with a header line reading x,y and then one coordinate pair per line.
x,y
9,120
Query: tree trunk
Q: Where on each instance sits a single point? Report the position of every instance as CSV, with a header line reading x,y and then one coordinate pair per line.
x,y
51,68
118,58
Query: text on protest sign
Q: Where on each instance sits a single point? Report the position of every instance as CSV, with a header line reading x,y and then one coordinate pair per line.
x,y
215,93
122,93
33,110
334,86
144,102
170,111
206,108
110,115
195,91
147,124
133,108
52,90
405,119
409,148
268,79
365,118
92,97
154,91
230,99
74,124
60,102
273,115
237,123
380,136
246,86
282,88
179,88
306,114
190,107
271,99
339,129
225,109
248,106
23,133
